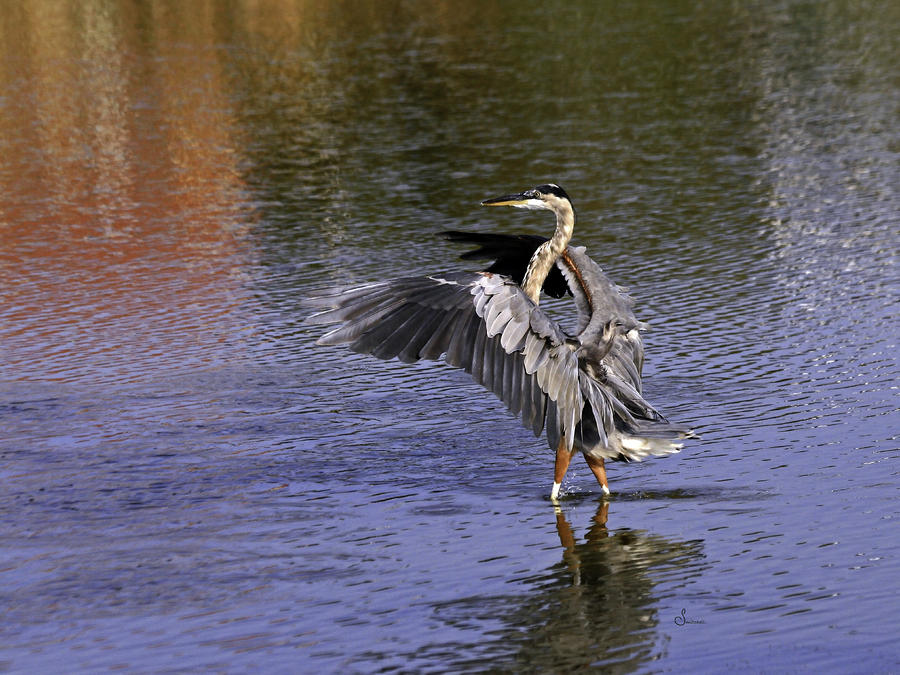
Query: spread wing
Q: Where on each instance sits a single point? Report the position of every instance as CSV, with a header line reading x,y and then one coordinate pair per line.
x,y
483,322
619,422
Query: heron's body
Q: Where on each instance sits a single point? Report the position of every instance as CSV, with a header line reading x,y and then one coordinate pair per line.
x,y
584,389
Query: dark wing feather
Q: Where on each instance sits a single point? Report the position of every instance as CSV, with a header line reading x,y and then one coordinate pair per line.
x,y
511,254
417,340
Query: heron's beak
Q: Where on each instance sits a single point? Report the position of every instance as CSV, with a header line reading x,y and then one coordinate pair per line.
x,y
509,200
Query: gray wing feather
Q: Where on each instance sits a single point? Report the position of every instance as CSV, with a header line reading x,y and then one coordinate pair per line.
x,y
378,340
478,349
488,368
553,433
539,405
357,320
440,340
499,365
509,393
526,410
535,352
460,353
411,352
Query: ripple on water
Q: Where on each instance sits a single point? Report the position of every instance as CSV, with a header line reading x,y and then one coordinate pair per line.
x,y
189,483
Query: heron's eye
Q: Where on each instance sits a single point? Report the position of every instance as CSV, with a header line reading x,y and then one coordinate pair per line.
x,y
533,194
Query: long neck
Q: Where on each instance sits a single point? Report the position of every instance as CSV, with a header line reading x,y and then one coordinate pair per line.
x,y
547,253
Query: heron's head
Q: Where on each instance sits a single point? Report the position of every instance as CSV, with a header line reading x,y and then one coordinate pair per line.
x,y
550,197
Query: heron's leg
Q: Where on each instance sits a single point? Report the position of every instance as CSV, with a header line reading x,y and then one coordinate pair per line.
x,y
563,457
599,469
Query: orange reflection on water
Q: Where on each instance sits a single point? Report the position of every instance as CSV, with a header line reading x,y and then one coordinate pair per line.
x,y
123,214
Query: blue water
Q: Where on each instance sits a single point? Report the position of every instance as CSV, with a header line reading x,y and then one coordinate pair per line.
x,y
188,482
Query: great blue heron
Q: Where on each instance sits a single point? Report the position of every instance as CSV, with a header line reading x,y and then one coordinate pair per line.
x,y
585,388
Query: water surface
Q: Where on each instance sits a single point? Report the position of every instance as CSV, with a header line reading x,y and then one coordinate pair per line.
x,y
188,482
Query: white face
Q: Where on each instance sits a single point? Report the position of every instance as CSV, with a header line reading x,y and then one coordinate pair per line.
x,y
534,204
544,202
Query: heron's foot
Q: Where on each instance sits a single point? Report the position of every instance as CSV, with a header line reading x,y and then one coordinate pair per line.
x,y
554,492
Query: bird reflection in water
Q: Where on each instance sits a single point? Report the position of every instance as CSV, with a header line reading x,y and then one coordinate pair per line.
x,y
594,608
